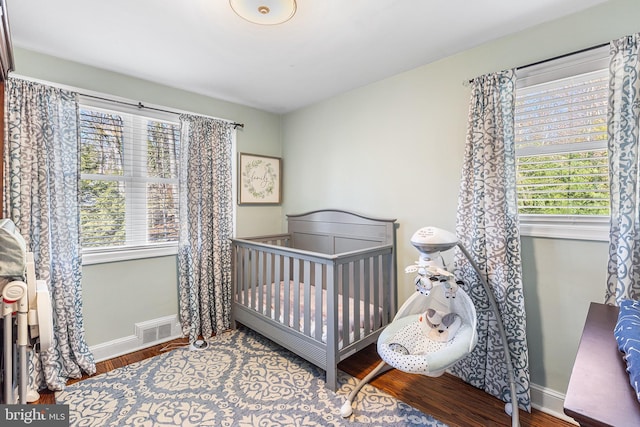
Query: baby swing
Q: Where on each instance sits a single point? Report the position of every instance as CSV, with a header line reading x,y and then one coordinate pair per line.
x,y
436,326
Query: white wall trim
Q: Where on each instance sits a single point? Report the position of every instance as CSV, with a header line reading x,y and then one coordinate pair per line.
x,y
131,343
594,228
93,256
550,402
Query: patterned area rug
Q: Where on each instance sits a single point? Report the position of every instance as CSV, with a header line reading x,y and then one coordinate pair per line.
x,y
241,379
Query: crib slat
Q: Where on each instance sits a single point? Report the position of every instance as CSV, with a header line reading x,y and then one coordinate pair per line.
x,y
320,307
286,282
248,271
377,292
276,280
263,282
307,297
346,291
332,324
286,299
296,294
267,284
393,304
277,298
237,271
366,297
259,283
357,284
272,282
385,301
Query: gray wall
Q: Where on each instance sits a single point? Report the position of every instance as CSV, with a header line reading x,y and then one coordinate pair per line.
x,y
117,295
395,148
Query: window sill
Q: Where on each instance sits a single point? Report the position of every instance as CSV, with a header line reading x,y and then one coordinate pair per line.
x,y
594,228
101,256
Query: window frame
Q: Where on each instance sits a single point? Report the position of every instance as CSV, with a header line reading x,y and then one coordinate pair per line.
x,y
575,227
133,249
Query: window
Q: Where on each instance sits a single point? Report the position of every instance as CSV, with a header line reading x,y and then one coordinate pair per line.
x,y
129,180
561,147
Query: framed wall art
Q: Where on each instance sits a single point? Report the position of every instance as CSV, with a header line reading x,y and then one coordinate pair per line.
x,y
259,179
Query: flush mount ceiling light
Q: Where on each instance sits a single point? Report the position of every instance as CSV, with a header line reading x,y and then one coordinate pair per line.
x,y
264,12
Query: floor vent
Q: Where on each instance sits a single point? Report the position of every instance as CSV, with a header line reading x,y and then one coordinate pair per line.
x,y
164,331
149,335
156,330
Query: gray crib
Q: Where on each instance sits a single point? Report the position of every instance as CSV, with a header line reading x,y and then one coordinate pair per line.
x,y
324,290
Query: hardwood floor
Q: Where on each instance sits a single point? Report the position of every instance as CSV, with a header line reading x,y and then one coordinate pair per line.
x,y
446,398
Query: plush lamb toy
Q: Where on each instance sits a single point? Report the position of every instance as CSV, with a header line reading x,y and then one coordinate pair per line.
x,y
444,328
438,322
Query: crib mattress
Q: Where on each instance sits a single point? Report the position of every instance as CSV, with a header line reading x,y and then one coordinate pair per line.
x,y
299,307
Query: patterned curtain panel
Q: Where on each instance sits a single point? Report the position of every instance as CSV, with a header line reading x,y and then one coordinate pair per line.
x,y
623,128
487,225
42,198
206,216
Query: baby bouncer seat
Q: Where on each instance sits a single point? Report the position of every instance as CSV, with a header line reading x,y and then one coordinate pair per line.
x,y
431,332
436,327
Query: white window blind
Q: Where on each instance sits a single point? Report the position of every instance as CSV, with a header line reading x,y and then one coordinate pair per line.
x,y
561,140
129,177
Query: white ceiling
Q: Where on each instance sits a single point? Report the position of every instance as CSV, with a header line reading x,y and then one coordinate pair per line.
x,y
328,47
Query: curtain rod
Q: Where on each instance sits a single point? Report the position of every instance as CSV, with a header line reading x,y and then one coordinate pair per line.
x,y
103,98
586,49
564,55
141,105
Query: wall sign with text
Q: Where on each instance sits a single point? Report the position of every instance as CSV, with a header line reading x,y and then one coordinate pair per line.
x,y
259,179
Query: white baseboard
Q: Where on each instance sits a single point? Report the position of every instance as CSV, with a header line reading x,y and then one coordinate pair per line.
x,y
549,401
131,343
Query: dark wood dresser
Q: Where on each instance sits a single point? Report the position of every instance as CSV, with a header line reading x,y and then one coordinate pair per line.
x,y
599,393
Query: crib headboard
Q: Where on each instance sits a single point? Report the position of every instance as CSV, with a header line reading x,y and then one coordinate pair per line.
x,y
335,231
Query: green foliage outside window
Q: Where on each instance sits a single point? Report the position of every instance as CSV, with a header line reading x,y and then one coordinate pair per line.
x,y
162,198
102,202
564,184
102,212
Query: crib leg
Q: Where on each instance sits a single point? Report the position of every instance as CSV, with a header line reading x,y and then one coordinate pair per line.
x,y
346,409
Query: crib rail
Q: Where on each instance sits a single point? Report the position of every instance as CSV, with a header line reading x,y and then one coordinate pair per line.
x,y
272,239
336,300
